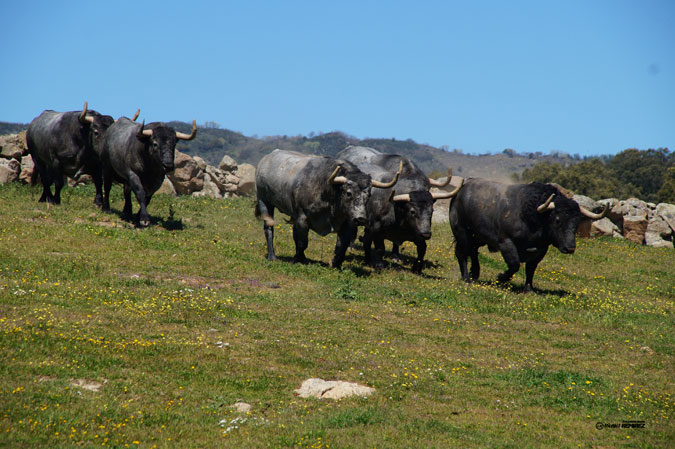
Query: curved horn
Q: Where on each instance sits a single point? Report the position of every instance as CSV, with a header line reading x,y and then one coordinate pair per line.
x,y
386,185
138,112
446,195
188,136
83,115
143,132
334,178
435,183
548,205
587,213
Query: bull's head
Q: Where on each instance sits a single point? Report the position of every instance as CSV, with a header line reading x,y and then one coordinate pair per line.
x,y
95,125
354,191
563,217
161,142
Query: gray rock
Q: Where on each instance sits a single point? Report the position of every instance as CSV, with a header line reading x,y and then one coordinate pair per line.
x,y
246,175
9,170
27,175
166,188
604,226
227,164
332,389
634,228
13,146
187,177
667,213
588,203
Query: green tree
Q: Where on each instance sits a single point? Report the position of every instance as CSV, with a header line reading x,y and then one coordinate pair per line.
x,y
666,193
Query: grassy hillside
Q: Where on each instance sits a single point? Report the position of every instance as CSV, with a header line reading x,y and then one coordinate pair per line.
x,y
119,337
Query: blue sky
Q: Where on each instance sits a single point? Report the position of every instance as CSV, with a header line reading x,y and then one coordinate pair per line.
x,y
584,77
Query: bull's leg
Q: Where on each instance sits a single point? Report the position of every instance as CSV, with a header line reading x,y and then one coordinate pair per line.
x,y
141,197
530,267
46,179
268,227
510,255
421,251
98,184
59,181
300,233
345,236
463,249
367,241
266,212
127,209
395,254
107,185
475,265
379,252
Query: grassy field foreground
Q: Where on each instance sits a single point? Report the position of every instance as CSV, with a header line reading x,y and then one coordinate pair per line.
x,y
120,337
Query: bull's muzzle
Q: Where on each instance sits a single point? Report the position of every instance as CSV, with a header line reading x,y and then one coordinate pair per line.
x,y
168,167
568,249
361,221
426,235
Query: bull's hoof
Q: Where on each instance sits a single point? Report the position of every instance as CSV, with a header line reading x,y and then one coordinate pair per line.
x,y
300,259
504,278
271,257
417,269
144,223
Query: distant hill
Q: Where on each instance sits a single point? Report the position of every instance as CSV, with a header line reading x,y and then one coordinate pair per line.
x,y
213,143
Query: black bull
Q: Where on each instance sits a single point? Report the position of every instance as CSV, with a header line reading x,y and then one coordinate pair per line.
x,y
519,220
63,143
319,193
139,156
401,213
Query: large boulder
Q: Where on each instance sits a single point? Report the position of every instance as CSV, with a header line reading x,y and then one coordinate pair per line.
x,y
659,233
246,175
186,177
605,226
332,389
634,228
28,174
227,164
9,170
226,181
166,188
13,146
210,189
667,213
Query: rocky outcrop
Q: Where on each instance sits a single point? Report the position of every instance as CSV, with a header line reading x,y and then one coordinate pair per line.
x,y
194,176
9,170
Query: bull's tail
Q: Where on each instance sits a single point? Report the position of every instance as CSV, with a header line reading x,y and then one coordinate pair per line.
x,y
264,216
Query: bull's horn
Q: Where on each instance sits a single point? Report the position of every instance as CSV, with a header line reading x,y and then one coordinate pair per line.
x,y
435,183
188,136
386,185
138,112
548,205
83,115
593,216
446,195
144,132
334,178
401,198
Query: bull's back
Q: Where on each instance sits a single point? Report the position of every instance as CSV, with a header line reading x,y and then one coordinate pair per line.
x,y
276,176
479,208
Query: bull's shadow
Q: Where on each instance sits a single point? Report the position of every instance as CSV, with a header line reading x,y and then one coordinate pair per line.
x,y
403,263
169,223
520,288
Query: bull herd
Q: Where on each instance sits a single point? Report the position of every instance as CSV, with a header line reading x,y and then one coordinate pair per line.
x,y
386,194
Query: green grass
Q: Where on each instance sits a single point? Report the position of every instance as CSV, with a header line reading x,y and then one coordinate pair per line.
x,y
177,322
